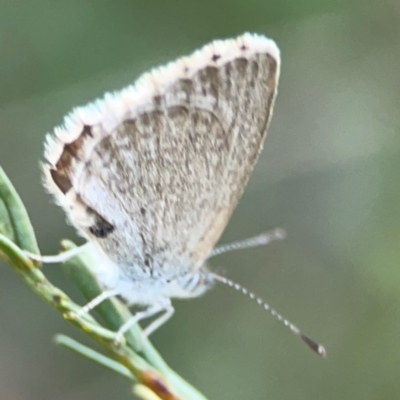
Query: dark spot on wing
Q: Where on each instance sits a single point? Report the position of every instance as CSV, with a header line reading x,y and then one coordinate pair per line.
x,y
215,57
143,211
101,228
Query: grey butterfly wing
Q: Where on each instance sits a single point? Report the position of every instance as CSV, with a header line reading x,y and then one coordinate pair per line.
x,y
158,189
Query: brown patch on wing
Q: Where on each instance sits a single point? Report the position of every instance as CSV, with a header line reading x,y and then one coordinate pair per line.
x,y
62,171
61,180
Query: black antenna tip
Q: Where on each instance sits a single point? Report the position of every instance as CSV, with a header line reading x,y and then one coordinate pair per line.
x,y
313,345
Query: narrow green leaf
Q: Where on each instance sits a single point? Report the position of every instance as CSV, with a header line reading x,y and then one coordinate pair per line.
x,y
18,218
6,227
92,355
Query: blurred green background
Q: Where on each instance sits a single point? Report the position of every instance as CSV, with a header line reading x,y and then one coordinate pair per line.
x,y
329,174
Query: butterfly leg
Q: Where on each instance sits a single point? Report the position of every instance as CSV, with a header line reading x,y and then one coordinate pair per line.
x,y
161,320
149,312
107,294
59,258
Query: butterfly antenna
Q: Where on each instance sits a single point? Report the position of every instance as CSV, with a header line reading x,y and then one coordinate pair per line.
x,y
259,240
311,343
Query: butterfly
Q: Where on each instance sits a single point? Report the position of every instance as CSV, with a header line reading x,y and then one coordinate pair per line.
x,y
150,175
